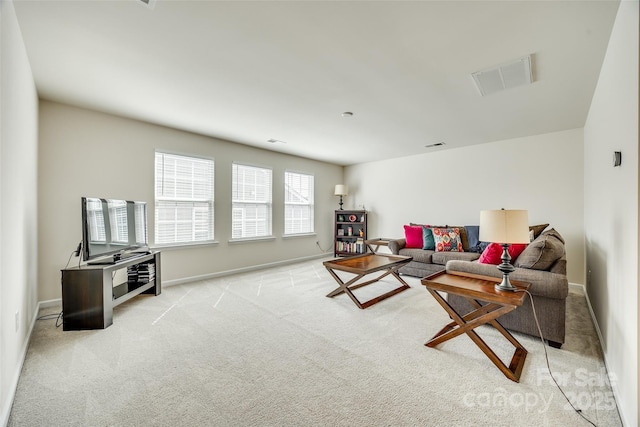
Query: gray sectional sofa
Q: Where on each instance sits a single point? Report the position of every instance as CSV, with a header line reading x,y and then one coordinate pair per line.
x,y
543,264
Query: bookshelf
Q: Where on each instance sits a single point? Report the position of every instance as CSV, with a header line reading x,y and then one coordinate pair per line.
x,y
350,232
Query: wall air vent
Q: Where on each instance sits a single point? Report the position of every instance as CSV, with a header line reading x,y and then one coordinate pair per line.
x,y
505,76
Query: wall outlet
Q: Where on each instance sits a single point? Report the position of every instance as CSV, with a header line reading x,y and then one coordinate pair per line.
x,y
17,321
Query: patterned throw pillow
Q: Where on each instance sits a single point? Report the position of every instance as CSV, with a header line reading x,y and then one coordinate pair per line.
x,y
447,239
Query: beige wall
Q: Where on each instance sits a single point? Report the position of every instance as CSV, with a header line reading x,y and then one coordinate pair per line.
x,y
611,209
86,153
542,174
18,204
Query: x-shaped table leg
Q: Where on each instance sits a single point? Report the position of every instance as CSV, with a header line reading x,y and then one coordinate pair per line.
x,y
349,286
482,314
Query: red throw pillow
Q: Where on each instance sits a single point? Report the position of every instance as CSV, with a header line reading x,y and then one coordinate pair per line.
x,y
493,253
413,236
515,250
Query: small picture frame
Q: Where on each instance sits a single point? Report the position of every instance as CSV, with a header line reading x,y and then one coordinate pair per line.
x,y
340,232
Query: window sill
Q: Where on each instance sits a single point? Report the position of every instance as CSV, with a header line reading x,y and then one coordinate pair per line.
x,y
252,239
174,246
296,236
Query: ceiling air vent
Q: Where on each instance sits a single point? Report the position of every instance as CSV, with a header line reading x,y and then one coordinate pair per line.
x,y
149,3
437,144
505,76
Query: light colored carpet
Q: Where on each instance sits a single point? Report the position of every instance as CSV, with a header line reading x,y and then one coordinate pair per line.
x,y
267,348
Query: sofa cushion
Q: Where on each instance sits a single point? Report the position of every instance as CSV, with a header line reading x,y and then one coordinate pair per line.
x,y
463,236
442,258
542,253
427,239
473,239
493,253
413,236
554,232
447,239
418,255
473,235
537,229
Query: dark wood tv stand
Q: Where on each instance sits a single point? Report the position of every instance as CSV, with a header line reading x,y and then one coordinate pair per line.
x,y
89,294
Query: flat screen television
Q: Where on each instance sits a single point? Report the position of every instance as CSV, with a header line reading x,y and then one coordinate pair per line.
x,y
112,227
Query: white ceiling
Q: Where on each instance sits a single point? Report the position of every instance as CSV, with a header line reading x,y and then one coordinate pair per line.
x,y
250,71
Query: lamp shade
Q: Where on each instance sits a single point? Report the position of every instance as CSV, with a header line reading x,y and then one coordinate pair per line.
x,y
341,190
504,226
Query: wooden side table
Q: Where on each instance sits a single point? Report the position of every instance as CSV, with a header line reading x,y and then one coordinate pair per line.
x,y
377,243
477,290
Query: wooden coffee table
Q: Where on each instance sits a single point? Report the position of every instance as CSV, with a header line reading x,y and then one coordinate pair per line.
x,y
477,289
363,265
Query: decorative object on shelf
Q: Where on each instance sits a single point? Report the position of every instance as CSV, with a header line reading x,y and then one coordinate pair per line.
x,y
504,227
340,190
353,218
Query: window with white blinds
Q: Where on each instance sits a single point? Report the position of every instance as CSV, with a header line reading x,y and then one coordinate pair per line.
x,y
251,201
184,199
298,203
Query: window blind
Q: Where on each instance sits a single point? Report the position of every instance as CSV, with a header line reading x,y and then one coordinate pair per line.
x,y
184,199
298,203
251,201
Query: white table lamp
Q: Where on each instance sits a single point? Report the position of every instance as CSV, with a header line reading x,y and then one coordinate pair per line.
x,y
504,227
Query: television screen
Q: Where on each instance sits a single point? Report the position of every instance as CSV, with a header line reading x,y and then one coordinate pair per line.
x,y
112,226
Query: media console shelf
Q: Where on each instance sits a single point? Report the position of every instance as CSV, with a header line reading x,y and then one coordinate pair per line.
x,y
89,294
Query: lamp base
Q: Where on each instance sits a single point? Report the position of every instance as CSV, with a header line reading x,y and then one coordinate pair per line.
x,y
506,268
505,285
340,203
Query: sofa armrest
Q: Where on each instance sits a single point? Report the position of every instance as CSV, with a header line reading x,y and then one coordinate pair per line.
x,y
543,283
395,245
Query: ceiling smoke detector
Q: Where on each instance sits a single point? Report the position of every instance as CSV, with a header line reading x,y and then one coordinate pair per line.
x,y
505,76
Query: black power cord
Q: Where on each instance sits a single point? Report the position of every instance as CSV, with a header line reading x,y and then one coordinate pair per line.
x,y
57,316
546,356
321,248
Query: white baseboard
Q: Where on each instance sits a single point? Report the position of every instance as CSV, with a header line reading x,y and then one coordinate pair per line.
x,y
577,288
49,303
8,404
614,387
242,270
